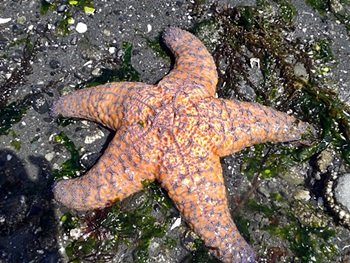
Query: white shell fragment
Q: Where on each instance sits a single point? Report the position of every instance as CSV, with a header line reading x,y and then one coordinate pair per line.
x,y
176,224
149,28
4,20
255,62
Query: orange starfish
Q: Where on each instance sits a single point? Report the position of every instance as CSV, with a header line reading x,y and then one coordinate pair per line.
x,y
173,132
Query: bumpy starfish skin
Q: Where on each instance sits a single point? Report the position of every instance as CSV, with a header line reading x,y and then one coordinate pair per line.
x,y
173,132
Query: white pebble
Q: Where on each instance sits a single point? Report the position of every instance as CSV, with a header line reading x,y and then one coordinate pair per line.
x,y
81,28
49,156
9,157
112,50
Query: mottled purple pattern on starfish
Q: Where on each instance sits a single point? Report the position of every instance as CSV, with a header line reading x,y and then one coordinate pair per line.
x,y
174,132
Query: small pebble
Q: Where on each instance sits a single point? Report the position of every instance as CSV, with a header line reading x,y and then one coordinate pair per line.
x,y
106,32
49,156
21,20
61,8
74,41
40,29
54,64
96,72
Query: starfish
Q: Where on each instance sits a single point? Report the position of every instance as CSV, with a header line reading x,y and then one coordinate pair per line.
x,y
174,132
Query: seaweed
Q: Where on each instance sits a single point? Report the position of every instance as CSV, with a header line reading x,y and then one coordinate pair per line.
x,y
308,243
71,166
125,71
135,227
12,113
259,33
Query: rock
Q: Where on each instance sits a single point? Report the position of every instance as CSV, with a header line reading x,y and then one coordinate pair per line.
x,y
342,190
54,64
302,195
300,71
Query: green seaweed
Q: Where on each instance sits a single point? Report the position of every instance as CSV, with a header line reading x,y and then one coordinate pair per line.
x,y
69,221
305,241
269,160
16,143
208,32
83,4
287,10
71,166
322,50
264,209
63,122
320,5
12,113
308,243
332,116
250,32
84,247
170,242
277,197
242,224
126,72
156,46
63,27
45,6
280,88
135,226
19,41
201,253
339,9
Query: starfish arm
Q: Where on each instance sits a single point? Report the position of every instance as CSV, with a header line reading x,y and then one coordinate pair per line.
x,y
102,104
235,125
117,174
193,63
199,193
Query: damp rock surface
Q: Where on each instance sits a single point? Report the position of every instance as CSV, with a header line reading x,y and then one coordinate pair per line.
x,y
342,190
